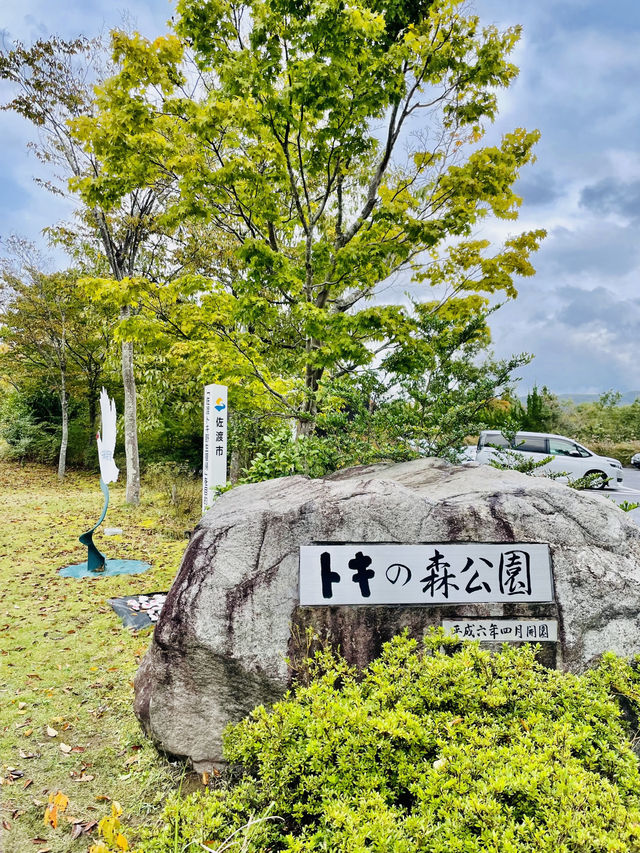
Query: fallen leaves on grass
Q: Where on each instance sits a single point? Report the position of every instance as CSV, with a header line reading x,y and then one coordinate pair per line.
x,y
12,774
80,828
55,696
81,776
109,828
24,754
58,803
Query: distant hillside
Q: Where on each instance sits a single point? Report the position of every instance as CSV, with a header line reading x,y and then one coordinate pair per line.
x,y
627,398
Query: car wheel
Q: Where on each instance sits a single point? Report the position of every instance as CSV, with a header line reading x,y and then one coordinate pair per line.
x,y
598,484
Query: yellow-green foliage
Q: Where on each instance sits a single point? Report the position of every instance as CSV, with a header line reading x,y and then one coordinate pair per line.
x,y
454,751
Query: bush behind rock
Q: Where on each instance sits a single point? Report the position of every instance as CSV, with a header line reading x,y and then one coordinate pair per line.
x,y
620,450
430,749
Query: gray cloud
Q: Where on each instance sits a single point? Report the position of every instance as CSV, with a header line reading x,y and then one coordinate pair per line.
x,y
601,249
578,315
583,339
613,196
563,365
599,308
539,188
578,62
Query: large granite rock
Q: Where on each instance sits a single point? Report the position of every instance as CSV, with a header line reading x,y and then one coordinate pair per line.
x,y
232,631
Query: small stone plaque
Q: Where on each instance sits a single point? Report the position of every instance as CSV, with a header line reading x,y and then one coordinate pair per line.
x,y
503,630
460,573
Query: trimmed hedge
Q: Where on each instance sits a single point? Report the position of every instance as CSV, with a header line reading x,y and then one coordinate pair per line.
x,y
440,748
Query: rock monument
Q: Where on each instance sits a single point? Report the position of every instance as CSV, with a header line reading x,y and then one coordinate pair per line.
x,y
233,628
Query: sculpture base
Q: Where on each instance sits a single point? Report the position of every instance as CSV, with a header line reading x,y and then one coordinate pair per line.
x,y
111,568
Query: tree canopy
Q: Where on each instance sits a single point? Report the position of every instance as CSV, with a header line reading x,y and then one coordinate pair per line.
x,y
330,152
53,341
50,84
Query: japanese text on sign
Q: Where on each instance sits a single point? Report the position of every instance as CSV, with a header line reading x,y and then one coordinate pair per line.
x,y
503,630
424,574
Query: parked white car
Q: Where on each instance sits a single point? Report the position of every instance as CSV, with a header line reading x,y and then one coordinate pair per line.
x,y
568,457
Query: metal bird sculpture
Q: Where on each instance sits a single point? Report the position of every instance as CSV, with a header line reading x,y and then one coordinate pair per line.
x,y
107,443
96,562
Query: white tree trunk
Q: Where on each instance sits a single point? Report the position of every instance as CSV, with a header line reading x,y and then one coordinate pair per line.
x,y
234,469
303,429
64,400
130,419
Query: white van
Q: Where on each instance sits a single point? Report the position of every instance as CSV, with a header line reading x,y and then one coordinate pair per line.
x,y
569,457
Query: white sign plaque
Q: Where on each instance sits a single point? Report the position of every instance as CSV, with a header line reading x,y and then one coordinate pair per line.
x,y
214,453
364,573
503,630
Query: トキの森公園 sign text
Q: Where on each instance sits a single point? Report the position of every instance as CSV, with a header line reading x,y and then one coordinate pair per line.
x,y
362,573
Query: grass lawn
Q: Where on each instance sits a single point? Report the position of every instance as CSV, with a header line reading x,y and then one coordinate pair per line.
x,y
67,663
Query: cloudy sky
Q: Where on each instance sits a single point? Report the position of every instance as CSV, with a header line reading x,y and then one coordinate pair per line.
x,y
579,70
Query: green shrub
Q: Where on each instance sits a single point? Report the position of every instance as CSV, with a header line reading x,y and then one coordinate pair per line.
x,y
510,460
452,750
31,429
284,456
30,424
177,484
620,450
25,438
177,491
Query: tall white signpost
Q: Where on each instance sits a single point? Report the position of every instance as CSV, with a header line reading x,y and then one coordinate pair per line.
x,y
214,453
